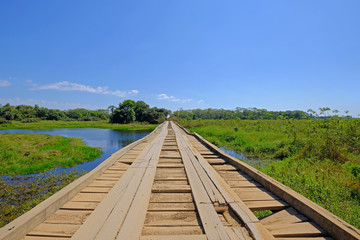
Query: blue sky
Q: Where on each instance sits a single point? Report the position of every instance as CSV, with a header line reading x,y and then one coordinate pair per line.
x,y
278,55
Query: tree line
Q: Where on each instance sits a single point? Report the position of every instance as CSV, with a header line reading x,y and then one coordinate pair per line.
x,y
238,113
26,113
127,111
254,114
131,111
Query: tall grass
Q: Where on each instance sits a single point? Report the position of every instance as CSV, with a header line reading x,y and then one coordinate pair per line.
x,y
319,158
16,199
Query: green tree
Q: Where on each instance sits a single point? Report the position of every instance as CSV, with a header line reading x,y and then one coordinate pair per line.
x,y
124,113
141,111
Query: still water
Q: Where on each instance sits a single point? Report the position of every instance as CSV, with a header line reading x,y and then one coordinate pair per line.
x,y
255,162
108,140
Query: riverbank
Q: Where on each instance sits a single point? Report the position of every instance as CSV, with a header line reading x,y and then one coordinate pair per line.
x,y
47,124
318,158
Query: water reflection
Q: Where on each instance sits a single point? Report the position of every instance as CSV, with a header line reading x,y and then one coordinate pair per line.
x,y
255,162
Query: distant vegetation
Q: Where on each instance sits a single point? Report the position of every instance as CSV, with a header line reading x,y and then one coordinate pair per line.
x,y
27,114
319,158
126,112
130,111
251,114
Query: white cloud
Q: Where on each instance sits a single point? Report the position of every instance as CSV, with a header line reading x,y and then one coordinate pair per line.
x,y
68,86
164,96
30,82
4,83
201,101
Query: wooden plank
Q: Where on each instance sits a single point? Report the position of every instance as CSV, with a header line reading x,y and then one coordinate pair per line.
x,y
79,206
234,176
107,178
44,238
289,215
243,184
116,202
170,170
233,200
172,230
210,188
111,175
88,197
266,205
306,238
171,197
126,160
172,165
171,188
225,167
170,178
211,223
170,156
304,229
54,230
136,195
217,161
241,233
96,190
171,207
174,237
98,183
255,195
236,234
258,231
171,182
175,218
68,217
170,160
133,224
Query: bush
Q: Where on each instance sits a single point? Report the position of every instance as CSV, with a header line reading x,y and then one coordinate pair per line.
x,y
30,120
3,121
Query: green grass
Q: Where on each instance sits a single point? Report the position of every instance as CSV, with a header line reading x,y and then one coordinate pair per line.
x,y
34,153
46,124
319,158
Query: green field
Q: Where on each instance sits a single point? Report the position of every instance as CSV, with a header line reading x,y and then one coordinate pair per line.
x,y
47,124
319,158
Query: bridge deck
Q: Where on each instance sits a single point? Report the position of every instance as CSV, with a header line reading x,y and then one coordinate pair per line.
x,y
175,185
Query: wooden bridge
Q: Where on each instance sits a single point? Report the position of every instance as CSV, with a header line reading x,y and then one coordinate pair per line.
x,y
176,185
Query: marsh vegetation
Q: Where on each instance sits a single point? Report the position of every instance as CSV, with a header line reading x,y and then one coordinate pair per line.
x,y
319,158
